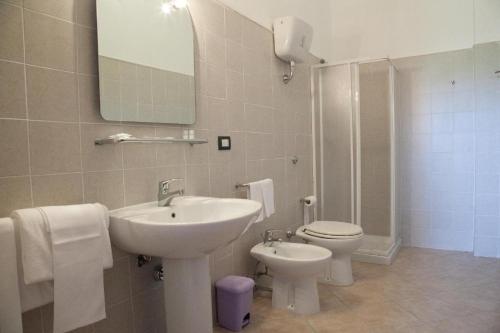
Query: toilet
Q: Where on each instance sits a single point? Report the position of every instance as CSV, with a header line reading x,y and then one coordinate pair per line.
x,y
295,268
339,237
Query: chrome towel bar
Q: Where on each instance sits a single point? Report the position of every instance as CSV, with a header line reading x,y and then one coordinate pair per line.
x,y
131,139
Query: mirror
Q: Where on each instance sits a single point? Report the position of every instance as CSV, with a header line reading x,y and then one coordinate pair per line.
x,y
146,61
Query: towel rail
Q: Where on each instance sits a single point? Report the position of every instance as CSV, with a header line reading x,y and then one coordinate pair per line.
x,y
131,139
242,186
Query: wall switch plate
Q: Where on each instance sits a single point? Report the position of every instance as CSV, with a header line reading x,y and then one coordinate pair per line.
x,y
224,142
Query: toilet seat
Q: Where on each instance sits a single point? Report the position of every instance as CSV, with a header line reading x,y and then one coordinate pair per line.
x,y
332,230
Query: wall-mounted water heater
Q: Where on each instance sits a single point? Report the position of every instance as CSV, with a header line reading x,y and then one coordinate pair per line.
x,y
292,41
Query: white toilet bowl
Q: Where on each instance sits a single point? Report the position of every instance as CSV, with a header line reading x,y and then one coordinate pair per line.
x,y
342,239
295,268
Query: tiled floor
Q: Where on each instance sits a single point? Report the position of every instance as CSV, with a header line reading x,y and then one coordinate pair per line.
x,y
423,291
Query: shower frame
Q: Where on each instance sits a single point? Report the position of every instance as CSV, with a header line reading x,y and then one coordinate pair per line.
x,y
375,249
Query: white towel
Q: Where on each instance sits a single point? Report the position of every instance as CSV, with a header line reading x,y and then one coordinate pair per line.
x,y
263,191
78,250
10,300
36,246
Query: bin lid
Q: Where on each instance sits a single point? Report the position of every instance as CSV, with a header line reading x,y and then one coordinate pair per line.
x,y
235,284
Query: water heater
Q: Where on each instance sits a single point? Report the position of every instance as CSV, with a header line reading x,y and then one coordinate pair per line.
x,y
292,39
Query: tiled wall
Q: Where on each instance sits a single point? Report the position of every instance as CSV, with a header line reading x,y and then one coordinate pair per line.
x,y
49,117
487,126
436,160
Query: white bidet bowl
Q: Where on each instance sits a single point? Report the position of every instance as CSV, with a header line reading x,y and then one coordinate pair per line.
x,y
294,268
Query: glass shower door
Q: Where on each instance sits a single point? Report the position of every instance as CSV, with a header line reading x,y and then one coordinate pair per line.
x,y
375,154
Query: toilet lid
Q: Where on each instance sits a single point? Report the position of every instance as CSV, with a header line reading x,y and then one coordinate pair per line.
x,y
332,228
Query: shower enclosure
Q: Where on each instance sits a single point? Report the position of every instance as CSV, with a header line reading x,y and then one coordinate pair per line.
x,y
354,145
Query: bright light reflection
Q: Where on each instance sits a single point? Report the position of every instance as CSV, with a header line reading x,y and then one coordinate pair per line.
x,y
166,8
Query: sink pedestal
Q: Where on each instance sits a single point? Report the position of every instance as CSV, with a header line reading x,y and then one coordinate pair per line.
x,y
188,297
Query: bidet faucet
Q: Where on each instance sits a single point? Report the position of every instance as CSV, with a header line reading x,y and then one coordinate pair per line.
x,y
269,236
165,197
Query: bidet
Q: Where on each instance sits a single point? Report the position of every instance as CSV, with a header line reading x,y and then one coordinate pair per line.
x,y
294,269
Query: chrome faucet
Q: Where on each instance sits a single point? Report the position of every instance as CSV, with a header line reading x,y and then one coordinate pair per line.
x,y
165,197
269,236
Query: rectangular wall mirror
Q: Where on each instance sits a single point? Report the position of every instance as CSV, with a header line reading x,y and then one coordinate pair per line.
x,y
146,61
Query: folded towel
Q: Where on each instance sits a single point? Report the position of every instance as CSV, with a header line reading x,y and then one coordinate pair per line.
x,y
263,192
78,249
36,246
10,304
267,186
36,294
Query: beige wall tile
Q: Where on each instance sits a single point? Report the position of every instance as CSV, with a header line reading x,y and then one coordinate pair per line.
x,y
12,90
217,111
256,63
52,95
15,193
32,321
234,25
216,82
140,186
169,154
258,90
14,148
256,37
197,180
220,183
11,33
64,9
49,42
254,146
100,158
235,87
234,58
197,154
149,311
235,115
54,147
209,15
48,321
215,49
88,99
117,283
86,13
138,155
119,319
13,2
105,187
87,50
65,189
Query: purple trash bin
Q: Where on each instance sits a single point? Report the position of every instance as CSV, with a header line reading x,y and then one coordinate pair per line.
x,y
234,299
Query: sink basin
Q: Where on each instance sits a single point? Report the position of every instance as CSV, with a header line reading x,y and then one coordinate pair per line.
x,y
191,227
183,234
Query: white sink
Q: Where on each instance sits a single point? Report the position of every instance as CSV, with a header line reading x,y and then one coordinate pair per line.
x,y
191,227
183,234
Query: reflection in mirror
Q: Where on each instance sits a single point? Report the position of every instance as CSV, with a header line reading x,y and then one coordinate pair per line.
x,y
146,61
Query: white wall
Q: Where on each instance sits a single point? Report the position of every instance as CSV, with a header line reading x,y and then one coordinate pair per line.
x,y
367,29
316,13
487,23
399,28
